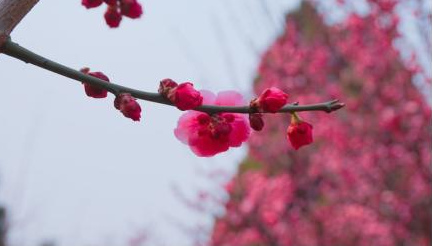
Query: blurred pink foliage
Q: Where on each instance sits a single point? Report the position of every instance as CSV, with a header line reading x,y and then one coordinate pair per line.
x,y
367,179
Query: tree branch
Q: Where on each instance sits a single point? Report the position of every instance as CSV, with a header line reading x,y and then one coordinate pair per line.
x,y
14,50
11,13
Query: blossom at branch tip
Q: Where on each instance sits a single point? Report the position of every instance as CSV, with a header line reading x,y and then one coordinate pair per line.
x,y
299,132
209,135
128,105
93,91
271,100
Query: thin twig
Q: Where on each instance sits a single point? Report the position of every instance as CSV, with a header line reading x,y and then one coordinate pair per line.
x,y
14,50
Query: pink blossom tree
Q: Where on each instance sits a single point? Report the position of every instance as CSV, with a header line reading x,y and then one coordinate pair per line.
x,y
367,180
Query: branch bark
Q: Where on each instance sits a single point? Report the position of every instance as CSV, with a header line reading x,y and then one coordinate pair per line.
x,y
14,50
11,13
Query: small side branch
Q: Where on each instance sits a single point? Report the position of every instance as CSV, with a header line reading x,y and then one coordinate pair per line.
x,y
11,13
14,50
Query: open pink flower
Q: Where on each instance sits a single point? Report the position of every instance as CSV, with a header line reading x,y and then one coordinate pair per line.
x,y
299,132
128,105
272,99
209,135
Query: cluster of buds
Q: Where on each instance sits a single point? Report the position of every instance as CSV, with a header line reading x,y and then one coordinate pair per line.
x,y
272,100
116,9
124,102
210,134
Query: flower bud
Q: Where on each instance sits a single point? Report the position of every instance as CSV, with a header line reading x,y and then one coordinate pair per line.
x,y
299,132
271,100
131,8
256,121
91,3
111,2
128,105
94,91
185,97
165,86
112,16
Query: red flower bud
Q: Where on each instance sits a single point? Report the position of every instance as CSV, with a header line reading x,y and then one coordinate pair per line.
x,y
185,97
94,91
111,2
256,121
165,86
299,132
91,3
271,100
112,16
131,8
128,105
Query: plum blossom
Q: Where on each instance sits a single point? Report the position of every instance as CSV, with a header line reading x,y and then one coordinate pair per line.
x,y
368,180
208,135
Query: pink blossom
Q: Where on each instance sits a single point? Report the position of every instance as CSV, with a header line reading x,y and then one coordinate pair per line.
x,y
209,135
367,181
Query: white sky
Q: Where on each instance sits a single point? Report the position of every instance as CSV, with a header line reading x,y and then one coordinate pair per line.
x,y
72,168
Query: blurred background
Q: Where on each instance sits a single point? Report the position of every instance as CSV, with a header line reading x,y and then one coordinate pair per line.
x,y
73,171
